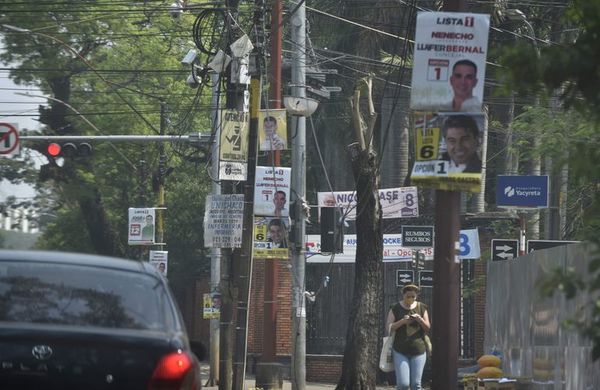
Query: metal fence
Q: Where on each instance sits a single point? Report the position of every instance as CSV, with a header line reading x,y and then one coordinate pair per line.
x,y
327,317
528,328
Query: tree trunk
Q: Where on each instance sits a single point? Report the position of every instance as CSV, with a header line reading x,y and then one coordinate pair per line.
x,y
104,239
359,369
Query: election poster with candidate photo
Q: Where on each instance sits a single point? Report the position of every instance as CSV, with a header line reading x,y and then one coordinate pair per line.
x,y
401,202
272,191
449,61
448,151
271,237
272,130
141,226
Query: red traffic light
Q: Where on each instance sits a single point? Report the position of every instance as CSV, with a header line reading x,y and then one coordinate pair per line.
x,y
69,149
53,149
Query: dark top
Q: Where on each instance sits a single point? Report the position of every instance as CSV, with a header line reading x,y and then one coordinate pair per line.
x,y
409,338
472,166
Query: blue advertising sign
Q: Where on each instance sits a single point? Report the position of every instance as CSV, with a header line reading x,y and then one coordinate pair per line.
x,y
522,191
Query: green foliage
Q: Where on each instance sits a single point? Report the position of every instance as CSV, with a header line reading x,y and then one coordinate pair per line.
x,y
114,66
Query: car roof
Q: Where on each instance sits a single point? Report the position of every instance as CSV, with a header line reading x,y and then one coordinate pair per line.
x,y
77,259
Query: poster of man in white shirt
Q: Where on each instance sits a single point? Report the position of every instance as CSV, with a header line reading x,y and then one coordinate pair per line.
x,y
272,133
449,62
272,191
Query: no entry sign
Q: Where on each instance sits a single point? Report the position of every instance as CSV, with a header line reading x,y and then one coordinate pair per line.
x,y
9,139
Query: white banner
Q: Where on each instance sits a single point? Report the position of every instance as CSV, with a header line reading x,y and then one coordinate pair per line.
x,y
392,250
399,202
223,221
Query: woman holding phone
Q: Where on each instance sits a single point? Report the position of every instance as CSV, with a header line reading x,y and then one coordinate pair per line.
x,y
409,319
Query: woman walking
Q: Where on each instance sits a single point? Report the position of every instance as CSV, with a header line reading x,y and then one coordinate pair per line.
x,y
409,319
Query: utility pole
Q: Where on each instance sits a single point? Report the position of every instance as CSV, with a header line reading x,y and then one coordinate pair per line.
x,y
268,371
446,280
242,266
162,159
298,188
215,253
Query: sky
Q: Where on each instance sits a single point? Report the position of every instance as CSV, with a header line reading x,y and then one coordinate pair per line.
x,y
10,103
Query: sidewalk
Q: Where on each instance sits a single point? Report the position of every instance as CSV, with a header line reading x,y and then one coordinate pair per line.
x,y
287,385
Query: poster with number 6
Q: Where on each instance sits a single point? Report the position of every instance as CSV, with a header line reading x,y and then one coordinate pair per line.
x,y
448,151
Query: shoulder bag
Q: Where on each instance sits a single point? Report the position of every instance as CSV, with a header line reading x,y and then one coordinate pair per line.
x,y
386,360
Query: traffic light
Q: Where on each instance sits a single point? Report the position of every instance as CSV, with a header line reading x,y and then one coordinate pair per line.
x,y
69,149
418,259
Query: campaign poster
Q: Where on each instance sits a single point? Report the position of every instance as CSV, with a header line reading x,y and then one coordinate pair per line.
x,y
272,130
401,202
160,259
393,251
141,226
211,308
449,61
272,191
448,150
223,221
233,152
271,237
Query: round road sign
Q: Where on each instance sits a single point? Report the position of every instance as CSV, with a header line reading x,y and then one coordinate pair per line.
x,y
9,138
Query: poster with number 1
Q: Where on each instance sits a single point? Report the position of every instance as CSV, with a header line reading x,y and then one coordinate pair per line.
x,y
448,151
272,191
449,61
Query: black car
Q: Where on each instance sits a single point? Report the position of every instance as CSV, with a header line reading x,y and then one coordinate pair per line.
x,y
75,321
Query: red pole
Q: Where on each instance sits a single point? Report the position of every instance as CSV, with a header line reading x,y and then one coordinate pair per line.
x,y
271,266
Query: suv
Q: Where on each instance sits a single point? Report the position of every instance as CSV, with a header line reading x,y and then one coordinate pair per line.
x,y
75,321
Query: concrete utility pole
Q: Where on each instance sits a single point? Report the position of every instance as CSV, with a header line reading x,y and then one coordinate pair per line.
x,y
215,253
298,188
446,281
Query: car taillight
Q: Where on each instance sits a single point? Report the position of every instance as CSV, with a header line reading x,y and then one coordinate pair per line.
x,y
174,371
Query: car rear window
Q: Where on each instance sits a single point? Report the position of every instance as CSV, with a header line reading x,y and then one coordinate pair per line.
x,y
49,293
